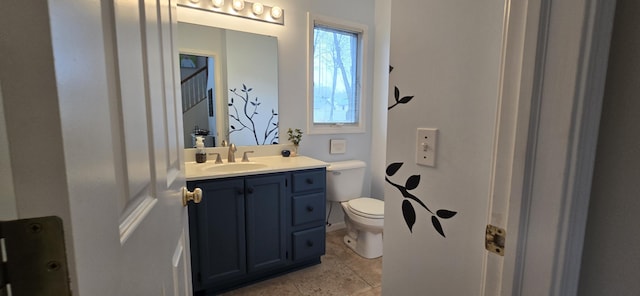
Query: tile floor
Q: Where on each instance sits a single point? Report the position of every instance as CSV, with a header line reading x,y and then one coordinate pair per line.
x,y
342,272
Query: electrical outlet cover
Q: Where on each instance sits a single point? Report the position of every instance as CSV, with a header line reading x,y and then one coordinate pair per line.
x,y
426,142
338,146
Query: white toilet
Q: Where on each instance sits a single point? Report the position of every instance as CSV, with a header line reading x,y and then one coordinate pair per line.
x,y
363,216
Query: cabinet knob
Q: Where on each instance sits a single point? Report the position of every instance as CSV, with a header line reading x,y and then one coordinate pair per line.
x,y
195,196
240,191
309,181
309,208
250,190
309,243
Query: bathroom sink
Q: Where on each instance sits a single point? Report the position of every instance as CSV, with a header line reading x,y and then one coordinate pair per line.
x,y
257,165
235,167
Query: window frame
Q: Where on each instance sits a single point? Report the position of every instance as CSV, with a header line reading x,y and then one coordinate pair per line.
x,y
362,33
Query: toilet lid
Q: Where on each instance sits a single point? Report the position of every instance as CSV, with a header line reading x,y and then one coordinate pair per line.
x,y
366,206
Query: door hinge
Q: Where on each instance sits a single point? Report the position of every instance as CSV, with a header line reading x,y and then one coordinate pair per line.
x,y
34,260
495,238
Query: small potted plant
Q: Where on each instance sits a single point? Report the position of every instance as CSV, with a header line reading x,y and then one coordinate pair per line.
x,y
295,136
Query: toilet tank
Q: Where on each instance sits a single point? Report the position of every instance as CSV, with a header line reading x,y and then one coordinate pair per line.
x,y
345,180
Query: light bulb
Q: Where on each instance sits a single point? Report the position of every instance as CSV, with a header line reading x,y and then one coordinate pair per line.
x,y
276,12
238,5
217,3
258,8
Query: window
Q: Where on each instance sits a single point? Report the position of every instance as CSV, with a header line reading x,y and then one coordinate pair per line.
x,y
335,70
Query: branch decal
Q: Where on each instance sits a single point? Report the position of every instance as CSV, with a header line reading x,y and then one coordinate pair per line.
x,y
243,120
408,210
396,95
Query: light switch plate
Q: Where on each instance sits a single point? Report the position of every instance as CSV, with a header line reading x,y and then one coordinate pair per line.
x,y
426,142
338,146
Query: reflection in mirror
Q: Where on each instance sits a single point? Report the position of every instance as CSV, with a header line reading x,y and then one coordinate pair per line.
x,y
229,86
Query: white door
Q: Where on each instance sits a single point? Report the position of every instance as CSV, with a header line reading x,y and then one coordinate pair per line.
x,y
152,222
111,165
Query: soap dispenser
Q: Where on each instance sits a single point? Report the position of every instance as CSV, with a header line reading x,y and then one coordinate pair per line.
x,y
201,154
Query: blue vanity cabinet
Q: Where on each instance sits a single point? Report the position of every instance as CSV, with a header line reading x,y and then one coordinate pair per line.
x,y
217,232
266,217
308,214
250,228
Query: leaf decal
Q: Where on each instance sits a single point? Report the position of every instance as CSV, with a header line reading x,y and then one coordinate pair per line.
x,y
412,182
445,214
397,94
233,127
390,68
405,100
409,214
437,226
393,168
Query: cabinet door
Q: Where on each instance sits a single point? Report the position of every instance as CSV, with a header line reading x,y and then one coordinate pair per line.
x,y
266,198
217,228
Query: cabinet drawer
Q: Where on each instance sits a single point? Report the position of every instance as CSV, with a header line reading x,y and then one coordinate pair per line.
x,y
310,180
308,208
308,243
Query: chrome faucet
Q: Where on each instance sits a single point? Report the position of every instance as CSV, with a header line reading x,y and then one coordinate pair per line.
x,y
231,157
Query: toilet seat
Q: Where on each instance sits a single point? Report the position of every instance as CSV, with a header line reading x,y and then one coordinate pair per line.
x,y
367,207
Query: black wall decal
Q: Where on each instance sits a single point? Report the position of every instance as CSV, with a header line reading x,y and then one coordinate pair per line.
x,y
244,120
396,95
408,211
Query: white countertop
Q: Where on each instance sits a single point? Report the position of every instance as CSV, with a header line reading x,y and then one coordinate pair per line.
x,y
265,164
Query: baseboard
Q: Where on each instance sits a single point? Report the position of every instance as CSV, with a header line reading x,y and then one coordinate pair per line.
x,y
336,226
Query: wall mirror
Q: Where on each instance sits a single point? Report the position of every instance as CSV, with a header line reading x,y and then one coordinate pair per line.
x,y
229,82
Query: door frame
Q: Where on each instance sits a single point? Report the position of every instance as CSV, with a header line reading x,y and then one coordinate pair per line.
x,y
544,147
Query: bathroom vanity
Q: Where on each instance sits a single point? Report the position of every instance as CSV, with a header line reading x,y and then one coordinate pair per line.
x,y
256,220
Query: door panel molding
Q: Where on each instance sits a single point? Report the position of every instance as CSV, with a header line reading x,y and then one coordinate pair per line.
x,y
180,268
131,222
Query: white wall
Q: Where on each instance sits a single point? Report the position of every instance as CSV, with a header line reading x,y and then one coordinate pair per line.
x,y
381,33
447,55
32,117
611,255
197,115
250,63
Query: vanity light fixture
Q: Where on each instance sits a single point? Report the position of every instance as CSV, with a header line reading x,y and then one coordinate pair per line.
x,y
257,8
245,9
276,12
238,5
217,3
